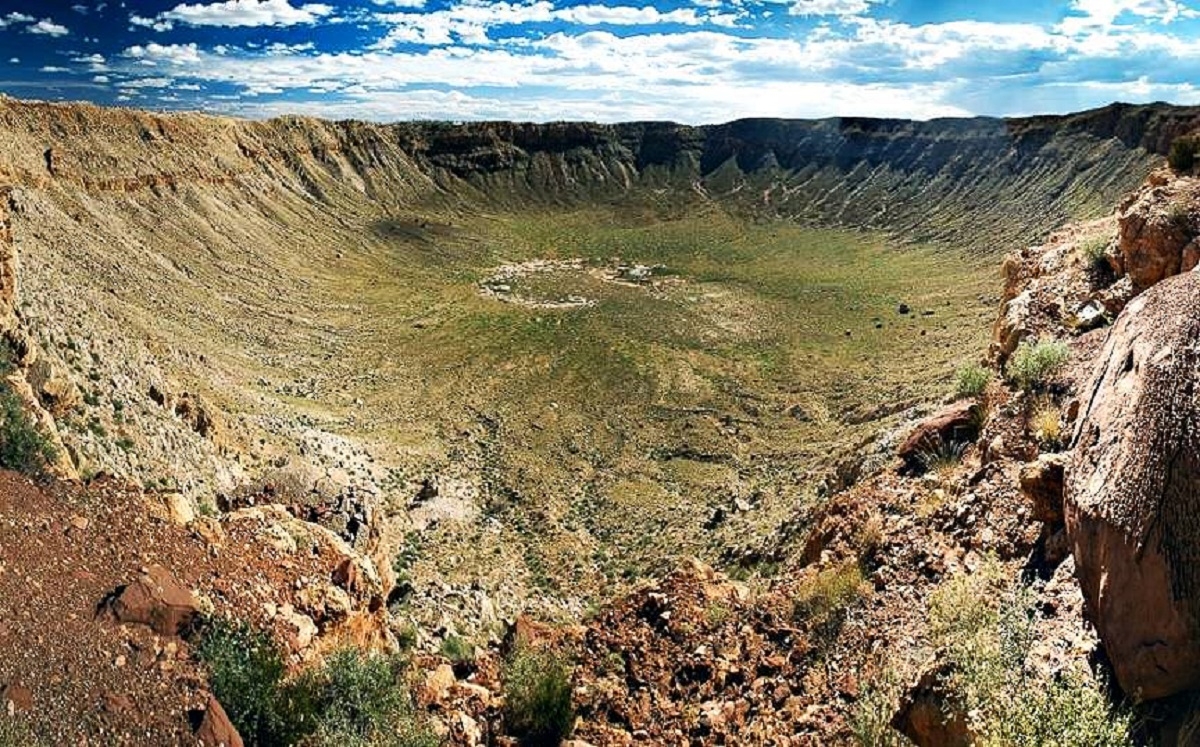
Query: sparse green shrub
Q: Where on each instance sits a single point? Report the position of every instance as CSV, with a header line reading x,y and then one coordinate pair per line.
x,y
1179,213
356,699
457,649
1033,365
537,696
23,447
823,601
984,627
971,380
247,676
1182,155
871,719
15,733
1045,423
362,700
1094,252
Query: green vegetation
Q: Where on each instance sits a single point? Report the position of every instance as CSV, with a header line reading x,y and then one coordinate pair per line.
x,y
457,649
23,446
1182,155
1045,423
941,455
871,719
984,628
1034,365
971,380
537,696
1094,252
822,602
15,733
354,699
362,702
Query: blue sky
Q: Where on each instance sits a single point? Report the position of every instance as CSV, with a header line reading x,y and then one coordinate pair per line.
x,y
694,61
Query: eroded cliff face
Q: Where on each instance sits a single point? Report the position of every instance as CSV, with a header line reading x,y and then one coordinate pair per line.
x,y
182,279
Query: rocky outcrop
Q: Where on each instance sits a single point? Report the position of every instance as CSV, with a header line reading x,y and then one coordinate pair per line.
x,y
1132,492
1158,231
1042,484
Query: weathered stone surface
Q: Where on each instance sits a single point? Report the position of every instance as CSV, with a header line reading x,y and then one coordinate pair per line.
x,y
926,714
158,600
1042,484
216,730
1132,492
1156,232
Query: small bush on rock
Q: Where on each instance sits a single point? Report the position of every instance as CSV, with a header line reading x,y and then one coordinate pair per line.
x,y
1094,252
971,380
1182,155
23,447
1034,365
1045,423
822,603
537,697
356,699
984,627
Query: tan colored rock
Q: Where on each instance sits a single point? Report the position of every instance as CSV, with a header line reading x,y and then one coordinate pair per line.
x,y
216,730
1042,485
1132,492
158,600
438,684
1154,231
179,509
1011,327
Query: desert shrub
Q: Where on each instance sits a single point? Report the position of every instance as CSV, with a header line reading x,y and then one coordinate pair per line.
x,y
971,380
457,649
15,733
248,678
1045,423
23,447
1179,212
1094,252
984,627
822,602
940,455
871,719
537,696
354,699
1182,154
362,700
1033,365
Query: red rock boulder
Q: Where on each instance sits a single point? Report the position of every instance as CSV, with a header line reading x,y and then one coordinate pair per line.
x,y
1132,492
215,729
158,600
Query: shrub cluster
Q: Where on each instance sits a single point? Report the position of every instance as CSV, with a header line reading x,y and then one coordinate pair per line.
x,y
537,697
23,447
1182,155
355,699
971,380
984,628
822,603
1034,365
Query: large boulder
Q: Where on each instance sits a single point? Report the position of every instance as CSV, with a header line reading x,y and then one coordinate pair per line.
x,y
158,600
1157,236
1132,492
